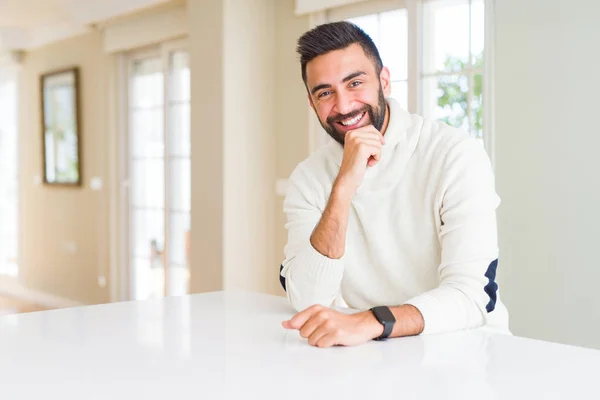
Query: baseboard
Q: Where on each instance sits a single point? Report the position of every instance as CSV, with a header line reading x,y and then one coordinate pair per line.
x,y
36,297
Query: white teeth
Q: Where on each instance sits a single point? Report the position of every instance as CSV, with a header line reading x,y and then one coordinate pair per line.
x,y
352,121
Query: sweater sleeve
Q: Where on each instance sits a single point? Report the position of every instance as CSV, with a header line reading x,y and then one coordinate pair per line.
x,y
311,278
468,237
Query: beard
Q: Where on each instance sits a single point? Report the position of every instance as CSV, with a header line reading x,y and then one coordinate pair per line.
x,y
376,117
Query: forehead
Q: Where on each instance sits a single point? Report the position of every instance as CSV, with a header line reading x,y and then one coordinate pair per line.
x,y
332,67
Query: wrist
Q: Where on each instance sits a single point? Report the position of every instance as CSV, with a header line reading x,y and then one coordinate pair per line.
x,y
370,324
343,189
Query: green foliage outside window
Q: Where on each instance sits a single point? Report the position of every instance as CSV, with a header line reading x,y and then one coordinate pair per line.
x,y
453,90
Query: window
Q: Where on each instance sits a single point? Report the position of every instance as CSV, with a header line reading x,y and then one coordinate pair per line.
x,y
452,75
435,52
159,172
9,200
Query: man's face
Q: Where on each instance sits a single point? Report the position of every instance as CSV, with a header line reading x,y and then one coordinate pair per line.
x,y
346,92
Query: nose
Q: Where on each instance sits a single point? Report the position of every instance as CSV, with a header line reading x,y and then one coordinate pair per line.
x,y
343,102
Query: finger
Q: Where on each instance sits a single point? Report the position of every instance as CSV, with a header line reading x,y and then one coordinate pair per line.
x,y
371,131
358,135
374,159
300,318
371,151
327,340
369,142
365,151
372,162
318,333
311,325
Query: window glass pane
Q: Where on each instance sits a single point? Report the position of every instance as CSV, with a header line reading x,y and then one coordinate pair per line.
x,y
147,132
180,226
445,35
477,32
179,252
148,183
147,83
180,185
400,93
369,24
149,278
148,232
180,77
445,98
477,106
179,129
393,43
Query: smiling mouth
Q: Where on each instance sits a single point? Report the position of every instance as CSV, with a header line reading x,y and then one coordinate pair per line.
x,y
352,122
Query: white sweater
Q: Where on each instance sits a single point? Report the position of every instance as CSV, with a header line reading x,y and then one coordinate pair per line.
x,y
421,230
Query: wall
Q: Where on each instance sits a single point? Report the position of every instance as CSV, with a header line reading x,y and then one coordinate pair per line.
x,y
55,219
249,144
291,108
233,167
547,167
207,101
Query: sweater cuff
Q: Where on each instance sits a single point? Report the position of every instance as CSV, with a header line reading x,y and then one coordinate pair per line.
x,y
318,268
314,278
429,308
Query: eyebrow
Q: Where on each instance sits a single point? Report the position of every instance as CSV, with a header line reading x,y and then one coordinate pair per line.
x,y
346,79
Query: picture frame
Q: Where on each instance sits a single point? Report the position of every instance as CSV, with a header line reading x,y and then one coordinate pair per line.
x,y
61,127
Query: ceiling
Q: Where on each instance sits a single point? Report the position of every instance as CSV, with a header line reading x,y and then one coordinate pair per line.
x,y
27,24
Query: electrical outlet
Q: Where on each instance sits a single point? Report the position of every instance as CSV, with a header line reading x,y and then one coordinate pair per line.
x,y
96,183
69,247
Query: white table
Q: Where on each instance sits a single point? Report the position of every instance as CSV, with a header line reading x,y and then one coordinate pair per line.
x,y
232,346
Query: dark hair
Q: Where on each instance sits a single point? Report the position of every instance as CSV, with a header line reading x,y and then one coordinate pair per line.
x,y
335,36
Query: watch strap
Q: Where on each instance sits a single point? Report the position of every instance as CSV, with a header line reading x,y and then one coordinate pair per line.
x,y
388,325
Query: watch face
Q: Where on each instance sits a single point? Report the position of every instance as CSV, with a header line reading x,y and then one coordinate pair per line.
x,y
383,314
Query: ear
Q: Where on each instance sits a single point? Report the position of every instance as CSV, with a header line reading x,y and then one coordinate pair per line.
x,y
386,84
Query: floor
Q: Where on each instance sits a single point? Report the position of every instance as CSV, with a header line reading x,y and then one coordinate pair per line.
x,y
10,305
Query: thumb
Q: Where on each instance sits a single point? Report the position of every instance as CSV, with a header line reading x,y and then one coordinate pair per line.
x,y
287,325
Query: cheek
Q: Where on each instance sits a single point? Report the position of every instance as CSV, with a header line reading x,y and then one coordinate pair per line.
x,y
372,97
365,95
324,110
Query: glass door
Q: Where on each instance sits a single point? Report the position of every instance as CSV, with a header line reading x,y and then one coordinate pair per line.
x,y
159,172
179,167
9,189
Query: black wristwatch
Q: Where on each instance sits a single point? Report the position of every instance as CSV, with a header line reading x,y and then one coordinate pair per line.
x,y
386,318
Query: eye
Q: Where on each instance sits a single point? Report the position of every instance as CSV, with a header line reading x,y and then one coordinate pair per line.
x,y
355,83
323,94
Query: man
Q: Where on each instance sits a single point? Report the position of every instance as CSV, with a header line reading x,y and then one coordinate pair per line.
x,y
395,217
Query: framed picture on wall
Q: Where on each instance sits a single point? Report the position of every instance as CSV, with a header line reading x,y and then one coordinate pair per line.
x,y
61,127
